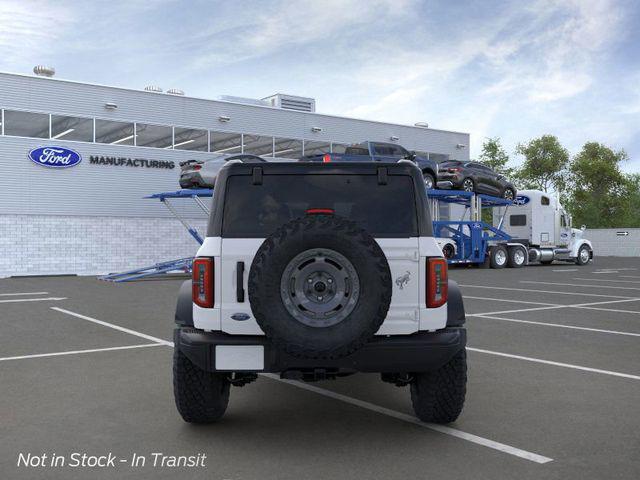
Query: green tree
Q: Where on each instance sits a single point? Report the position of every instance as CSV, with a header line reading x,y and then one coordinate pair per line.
x,y
494,156
600,194
545,164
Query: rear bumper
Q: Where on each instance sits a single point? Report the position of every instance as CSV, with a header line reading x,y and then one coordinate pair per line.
x,y
419,352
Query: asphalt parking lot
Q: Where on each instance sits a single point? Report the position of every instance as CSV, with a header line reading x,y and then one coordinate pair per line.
x,y
554,388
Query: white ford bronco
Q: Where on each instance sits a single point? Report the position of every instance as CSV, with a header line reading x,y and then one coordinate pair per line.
x,y
315,271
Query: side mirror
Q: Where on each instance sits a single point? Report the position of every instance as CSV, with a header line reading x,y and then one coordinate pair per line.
x,y
583,228
412,155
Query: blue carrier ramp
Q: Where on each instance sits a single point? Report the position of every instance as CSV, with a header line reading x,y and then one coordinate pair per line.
x,y
178,265
472,237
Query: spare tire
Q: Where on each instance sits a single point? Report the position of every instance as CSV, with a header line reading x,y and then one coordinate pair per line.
x,y
320,287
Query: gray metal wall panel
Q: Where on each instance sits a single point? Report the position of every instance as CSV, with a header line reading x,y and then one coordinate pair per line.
x,y
87,189
116,191
612,242
72,98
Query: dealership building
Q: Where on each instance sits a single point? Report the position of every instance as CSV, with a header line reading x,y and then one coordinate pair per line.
x,y
91,217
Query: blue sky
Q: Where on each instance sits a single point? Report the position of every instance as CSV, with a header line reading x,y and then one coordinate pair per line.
x,y
513,69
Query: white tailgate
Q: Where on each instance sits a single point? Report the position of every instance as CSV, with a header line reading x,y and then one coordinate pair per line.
x,y
403,256
236,250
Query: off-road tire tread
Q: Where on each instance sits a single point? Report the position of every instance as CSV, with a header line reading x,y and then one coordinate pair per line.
x,y
328,223
201,397
438,396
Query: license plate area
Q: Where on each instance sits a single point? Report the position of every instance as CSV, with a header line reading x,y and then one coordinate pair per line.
x,y
239,357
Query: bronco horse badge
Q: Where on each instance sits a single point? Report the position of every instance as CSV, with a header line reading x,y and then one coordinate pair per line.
x,y
402,280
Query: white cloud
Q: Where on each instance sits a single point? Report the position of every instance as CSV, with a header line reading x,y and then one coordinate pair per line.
x,y
30,29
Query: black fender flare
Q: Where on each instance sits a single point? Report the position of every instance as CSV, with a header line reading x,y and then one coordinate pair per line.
x,y
455,306
184,306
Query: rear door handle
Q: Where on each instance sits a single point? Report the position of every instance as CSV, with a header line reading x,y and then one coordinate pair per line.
x,y
240,282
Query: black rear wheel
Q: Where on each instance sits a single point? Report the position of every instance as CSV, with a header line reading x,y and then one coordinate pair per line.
x,y
468,185
438,397
201,397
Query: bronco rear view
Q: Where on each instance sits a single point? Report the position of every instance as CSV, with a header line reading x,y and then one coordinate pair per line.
x,y
314,271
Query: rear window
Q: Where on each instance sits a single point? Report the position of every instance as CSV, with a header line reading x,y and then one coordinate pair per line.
x,y
255,211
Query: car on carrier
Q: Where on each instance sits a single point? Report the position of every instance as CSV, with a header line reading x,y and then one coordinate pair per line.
x,y
476,177
313,273
381,152
203,173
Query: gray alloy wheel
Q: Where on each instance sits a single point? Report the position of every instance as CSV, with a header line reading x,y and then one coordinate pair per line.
x,y
467,185
429,182
320,287
508,194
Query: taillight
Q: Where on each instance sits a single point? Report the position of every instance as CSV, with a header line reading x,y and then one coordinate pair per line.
x,y
202,282
197,167
437,282
326,158
454,170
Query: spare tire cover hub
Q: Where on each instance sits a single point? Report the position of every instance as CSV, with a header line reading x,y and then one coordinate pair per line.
x,y
320,287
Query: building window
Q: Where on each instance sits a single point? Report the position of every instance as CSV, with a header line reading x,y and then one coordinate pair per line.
x,y
190,139
115,133
257,145
338,148
287,148
26,124
226,143
316,148
544,200
71,128
157,136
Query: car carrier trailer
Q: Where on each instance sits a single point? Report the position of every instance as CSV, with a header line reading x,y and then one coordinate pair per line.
x,y
534,228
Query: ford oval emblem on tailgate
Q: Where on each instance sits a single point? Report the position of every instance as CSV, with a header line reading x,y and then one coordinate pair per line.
x,y
55,157
241,316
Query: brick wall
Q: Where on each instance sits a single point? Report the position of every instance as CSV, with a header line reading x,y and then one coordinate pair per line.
x,y
50,245
611,242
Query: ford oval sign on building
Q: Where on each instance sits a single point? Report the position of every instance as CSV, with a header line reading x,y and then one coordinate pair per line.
x,y
521,200
55,157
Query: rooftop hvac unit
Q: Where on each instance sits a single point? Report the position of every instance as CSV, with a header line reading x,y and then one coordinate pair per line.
x,y
153,88
291,102
43,71
244,100
175,91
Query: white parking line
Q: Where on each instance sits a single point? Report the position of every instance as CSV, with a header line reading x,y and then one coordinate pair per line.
x,y
26,293
544,291
556,364
629,276
581,285
566,270
605,280
48,299
510,301
558,325
75,352
115,327
575,305
369,406
533,457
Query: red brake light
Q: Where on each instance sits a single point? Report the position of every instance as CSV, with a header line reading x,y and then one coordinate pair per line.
x,y
320,211
437,282
202,282
326,158
197,167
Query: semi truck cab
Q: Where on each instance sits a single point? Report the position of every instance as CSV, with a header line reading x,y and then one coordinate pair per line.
x,y
538,220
